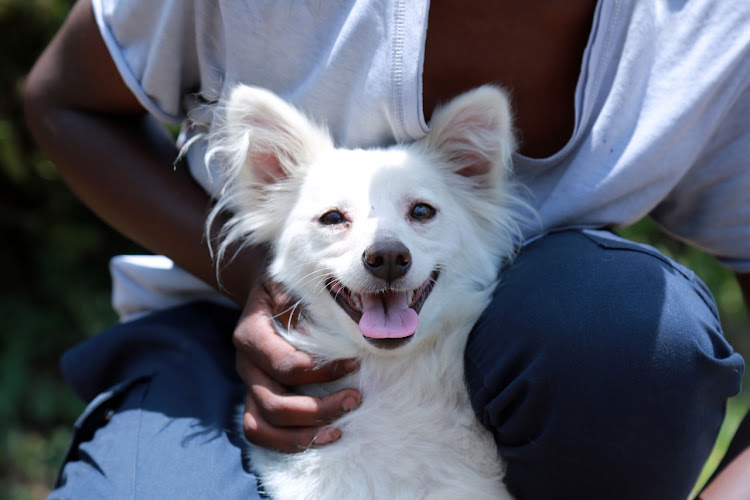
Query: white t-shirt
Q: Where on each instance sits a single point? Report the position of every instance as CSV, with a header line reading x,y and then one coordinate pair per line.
x,y
662,106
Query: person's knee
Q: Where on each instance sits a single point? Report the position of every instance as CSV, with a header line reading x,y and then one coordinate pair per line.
x,y
604,354
580,309
170,429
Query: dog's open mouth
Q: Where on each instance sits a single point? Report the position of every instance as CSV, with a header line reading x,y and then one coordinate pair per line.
x,y
387,319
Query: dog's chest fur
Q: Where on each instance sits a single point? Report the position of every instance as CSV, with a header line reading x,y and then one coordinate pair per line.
x,y
415,436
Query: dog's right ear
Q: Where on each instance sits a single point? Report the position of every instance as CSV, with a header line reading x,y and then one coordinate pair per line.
x,y
260,146
264,139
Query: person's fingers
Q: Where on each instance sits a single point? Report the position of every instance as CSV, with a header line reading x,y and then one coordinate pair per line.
x,y
289,422
274,416
287,440
256,341
281,408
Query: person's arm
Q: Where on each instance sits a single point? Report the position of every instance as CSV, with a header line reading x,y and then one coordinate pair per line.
x,y
114,156
119,162
732,481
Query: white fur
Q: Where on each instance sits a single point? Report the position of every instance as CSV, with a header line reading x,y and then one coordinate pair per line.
x,y
415,434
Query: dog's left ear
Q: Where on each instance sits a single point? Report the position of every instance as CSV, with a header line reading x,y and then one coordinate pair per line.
x,y
474,133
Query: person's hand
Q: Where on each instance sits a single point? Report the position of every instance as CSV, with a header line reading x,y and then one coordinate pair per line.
x,y
275,417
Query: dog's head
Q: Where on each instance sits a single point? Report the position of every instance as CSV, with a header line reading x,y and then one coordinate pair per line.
x,y
385,248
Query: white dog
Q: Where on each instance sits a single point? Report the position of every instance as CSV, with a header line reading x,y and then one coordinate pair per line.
x,y
394,254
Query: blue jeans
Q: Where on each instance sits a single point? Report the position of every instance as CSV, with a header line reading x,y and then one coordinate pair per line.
x,y
600,367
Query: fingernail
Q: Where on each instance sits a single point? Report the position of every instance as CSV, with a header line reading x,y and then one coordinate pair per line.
x,y
349,403
327,435
350,365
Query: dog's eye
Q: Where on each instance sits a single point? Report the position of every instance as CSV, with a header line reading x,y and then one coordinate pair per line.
x,y
422,211
332,218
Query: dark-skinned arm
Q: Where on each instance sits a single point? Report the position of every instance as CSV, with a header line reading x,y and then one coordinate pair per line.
x,y
116,158
119,162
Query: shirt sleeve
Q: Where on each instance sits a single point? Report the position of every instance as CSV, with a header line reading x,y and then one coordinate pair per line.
x,y
163,50
710,207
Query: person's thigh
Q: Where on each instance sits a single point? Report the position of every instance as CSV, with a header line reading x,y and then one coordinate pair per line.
x,y
163,419
601,368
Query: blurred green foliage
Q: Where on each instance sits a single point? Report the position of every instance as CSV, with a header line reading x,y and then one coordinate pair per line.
x,y
54,289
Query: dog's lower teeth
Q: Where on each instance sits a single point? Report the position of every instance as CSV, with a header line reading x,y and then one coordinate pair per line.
x,y
357,301
410,297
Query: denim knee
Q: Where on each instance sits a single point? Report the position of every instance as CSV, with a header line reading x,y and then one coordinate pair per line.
x,y
162,419
601,368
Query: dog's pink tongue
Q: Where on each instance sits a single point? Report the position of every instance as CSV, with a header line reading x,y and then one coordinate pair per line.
x,y
387,316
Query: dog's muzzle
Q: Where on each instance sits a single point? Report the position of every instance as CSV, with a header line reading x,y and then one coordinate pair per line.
x,y
388,318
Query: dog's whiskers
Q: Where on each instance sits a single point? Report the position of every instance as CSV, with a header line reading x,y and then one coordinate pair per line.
x,y
311,276
320,276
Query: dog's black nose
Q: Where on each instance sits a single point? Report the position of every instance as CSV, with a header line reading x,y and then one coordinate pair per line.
x,y
389,259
